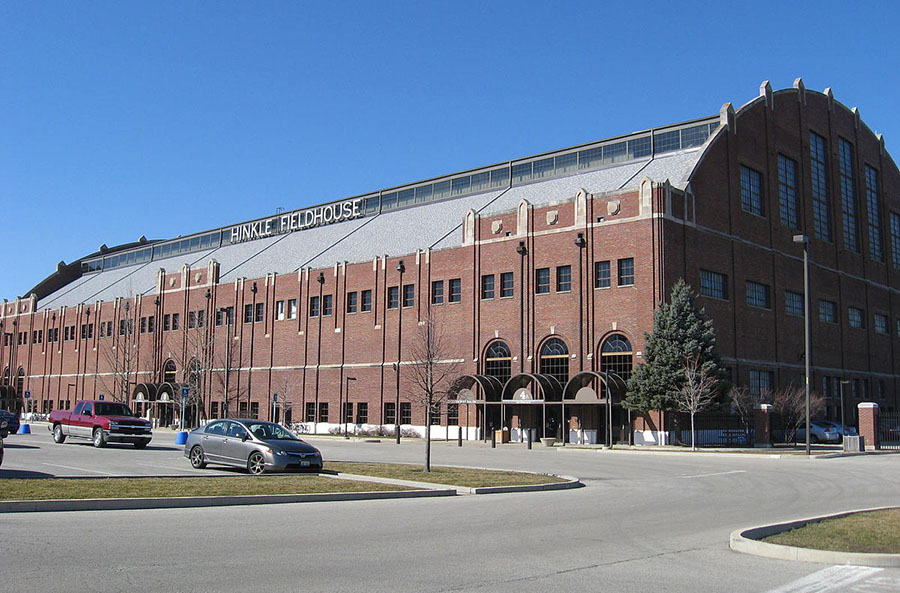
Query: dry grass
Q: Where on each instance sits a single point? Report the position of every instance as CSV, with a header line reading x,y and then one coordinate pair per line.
x,y
469,478
876,532
81,488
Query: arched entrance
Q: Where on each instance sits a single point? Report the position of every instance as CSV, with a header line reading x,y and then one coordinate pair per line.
x,y
474,391
497,364
617,359
528,399
588,400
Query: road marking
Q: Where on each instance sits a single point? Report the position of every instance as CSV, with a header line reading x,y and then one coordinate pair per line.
x,y
833,578
80,469
735,471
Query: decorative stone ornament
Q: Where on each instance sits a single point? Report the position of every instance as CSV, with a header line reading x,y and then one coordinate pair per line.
x,y
552,217
613,207
496,226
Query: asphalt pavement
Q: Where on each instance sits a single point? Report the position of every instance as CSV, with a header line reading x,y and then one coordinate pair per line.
x,y
644,522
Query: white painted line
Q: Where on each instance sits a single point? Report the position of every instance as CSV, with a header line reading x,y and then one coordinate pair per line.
x,y
833,578
735,471
80,469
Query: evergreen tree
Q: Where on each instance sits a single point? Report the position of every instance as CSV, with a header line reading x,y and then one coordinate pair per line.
x,y
680,330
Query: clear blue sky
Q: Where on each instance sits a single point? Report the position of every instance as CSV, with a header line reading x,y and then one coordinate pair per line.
x,y
122,119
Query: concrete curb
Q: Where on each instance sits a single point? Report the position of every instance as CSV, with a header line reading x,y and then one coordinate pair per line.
x,y
108,504
746,541
570,482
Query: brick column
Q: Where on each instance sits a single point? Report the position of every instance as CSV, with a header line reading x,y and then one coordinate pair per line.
x,y
868,424
762,425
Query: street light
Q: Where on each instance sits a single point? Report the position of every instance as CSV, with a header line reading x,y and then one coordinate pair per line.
x,y
804,240
400,268
346,405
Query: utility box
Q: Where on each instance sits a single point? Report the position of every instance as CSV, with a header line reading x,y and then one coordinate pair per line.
x,y
854,444
502,436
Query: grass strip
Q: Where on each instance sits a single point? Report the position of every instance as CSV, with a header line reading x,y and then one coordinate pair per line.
x,y
81,488
875,532
456,476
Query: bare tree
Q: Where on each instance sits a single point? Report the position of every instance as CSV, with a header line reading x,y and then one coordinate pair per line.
x,y
284,389
431,373
743,403
228,366
697,392
790,404
197,362
120,354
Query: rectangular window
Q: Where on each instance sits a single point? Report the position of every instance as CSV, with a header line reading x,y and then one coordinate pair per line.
x,y
310,411
260,312
626,271
507,284
601,274
751,191
758,295
760,382
323,411
487,286
279,310
881,324
292,309
102,331
713,284
819,174
366,305
895,240
167,324
348,412
898,329
542,280
437,292
352,304
393,297
827,311
192,319
409,295
405,413
176,321
452,414
390,413
563,278
213,409
873,212
856,317
248,313
254,410
436,414
793,303
327,305
362,413
455,294
787,192
143,326
151,325
848,197
314,306
201,318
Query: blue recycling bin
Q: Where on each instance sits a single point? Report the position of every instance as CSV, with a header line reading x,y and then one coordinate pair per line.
x,y
181,437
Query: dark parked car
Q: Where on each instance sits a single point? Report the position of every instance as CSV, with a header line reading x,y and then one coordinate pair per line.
x,y
12,421
4,432
252,444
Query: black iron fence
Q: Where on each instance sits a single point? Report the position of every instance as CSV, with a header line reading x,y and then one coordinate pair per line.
x,y
710,430
888,427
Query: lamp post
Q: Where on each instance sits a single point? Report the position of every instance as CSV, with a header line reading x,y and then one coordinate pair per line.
x,y
346,404
227,365
400,268
804,240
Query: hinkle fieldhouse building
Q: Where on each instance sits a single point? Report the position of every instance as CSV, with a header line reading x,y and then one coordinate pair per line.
x,y
543,273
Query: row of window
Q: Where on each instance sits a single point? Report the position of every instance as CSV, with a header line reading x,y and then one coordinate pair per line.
x,y
320,414
715,285
752,198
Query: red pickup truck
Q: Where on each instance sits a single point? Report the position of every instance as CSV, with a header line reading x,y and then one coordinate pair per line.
x,y
102,422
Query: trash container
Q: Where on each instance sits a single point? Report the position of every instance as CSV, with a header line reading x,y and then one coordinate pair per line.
x,y
502,436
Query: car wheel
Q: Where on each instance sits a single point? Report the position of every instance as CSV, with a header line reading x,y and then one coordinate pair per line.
x,y
813,439
198,461
256,463
99,438
141,444
58,436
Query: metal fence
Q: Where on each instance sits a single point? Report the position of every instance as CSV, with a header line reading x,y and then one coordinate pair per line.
x,y
710,430
888,427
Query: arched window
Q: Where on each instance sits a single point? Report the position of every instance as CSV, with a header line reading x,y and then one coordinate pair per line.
x,y
498,362
169,371
555,360
20,382
616,356
6,376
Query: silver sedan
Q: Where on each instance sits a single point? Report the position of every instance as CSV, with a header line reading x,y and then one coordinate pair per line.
x,y
252,444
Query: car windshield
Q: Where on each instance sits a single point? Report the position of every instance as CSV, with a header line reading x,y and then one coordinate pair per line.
x,y
111,409
266,431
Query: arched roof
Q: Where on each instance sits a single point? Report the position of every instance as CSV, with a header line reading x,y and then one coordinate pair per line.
x,y
573,389
549,388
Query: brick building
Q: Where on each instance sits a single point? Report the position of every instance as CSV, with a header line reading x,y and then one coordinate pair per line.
x,y
543,273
